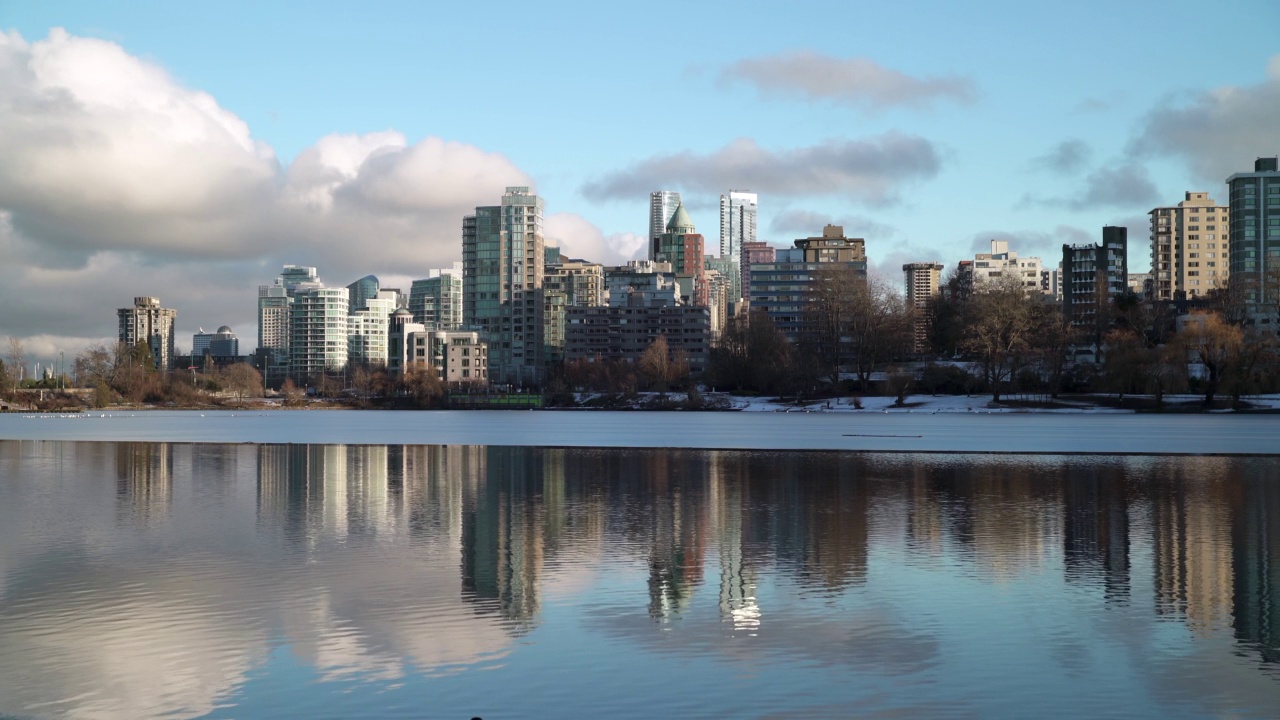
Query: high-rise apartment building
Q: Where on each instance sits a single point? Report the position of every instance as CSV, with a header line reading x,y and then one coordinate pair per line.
x,y
1189,247
274,312
1255,240
147,322
318,331
1094,275
923,280
738,213
367,332
662,205
569,283
436,301
502,276
362,290
754,253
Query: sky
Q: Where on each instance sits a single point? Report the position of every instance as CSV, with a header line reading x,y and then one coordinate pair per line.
x,y
188,150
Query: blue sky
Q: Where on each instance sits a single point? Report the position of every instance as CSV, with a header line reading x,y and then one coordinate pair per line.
x,y
576,96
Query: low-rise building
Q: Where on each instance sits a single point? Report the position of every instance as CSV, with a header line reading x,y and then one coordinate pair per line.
x,y
625,332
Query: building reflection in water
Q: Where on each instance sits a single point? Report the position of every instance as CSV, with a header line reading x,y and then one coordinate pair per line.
x,y
510,514
144,480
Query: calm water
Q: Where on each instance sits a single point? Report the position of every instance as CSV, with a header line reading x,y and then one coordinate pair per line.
x,y
899,431
248,581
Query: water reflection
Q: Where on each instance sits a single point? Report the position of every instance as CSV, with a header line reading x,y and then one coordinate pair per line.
x,y
376,564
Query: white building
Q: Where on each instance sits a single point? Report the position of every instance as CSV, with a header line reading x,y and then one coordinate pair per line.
x,y
318,331
275,303
367,331
1001,261
738,214
654,282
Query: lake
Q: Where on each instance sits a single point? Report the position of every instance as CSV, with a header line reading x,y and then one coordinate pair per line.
x,y
898,431
244,580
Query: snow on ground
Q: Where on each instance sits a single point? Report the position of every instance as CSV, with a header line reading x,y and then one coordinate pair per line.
x,y
955,404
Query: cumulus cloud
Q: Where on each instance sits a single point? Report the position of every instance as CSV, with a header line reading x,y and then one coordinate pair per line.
x,y
1118,185
119,181
1216,132
578,238
1067,157
869,171
806,223
857,82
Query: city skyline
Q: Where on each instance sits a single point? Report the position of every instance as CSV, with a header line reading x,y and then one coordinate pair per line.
x,y
926,151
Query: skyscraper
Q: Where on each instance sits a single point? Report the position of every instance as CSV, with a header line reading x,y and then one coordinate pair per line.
x,y
317,331
922,283
737,226
502,274
1189,247
662,205
362,291
147,322
1255,240
274,303
1093,277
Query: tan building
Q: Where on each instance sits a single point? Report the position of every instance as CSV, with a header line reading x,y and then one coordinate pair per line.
x,y
147,322
1189,247
459,357
833,246
922,282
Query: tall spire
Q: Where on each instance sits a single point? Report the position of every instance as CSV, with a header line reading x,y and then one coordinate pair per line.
x,y
680,222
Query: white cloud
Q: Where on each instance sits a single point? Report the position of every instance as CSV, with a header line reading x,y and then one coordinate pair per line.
x,y
578,238
119,181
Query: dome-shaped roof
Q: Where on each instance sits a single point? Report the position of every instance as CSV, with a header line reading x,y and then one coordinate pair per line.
x,y
680,221
400,312
224,330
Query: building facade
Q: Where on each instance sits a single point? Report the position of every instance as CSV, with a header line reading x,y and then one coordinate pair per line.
x,y
754,253
361,291
502,277
1255,240
738,225
275,307
220,344
625,332
457,357
682,247
1189,248
147,322
1002,262
436,301
368,332
662,205
318,331
781,289
1094,276
923,280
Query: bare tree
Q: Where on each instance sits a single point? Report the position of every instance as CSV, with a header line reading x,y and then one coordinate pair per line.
x,y
243,380
1214,343
660,366
1002,324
